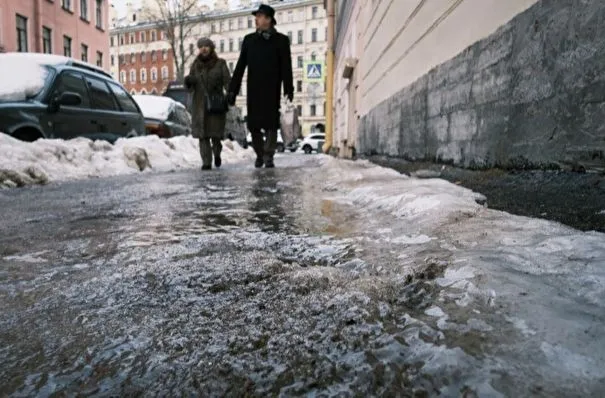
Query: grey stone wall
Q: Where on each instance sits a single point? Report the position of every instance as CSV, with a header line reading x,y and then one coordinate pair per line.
x,y
530,95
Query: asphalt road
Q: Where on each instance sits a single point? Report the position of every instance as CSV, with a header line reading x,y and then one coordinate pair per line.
x,y
236,282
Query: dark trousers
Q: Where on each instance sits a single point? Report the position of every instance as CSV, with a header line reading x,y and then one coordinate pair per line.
x,y
208,147
264,146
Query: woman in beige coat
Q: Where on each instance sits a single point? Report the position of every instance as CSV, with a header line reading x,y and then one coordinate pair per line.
x,y
209,77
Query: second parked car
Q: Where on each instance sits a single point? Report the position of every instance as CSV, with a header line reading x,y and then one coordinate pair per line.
x,y
164,116
50,96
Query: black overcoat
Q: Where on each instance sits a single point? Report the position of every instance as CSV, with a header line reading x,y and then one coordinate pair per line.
x,y
269,66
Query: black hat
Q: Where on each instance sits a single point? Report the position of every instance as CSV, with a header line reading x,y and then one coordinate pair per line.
x,y
268,11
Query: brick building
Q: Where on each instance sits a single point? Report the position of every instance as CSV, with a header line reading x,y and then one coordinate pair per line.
x,y
141,59
74,28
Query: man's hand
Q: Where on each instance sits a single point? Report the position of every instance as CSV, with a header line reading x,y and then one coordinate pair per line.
x,y
190,81
231,98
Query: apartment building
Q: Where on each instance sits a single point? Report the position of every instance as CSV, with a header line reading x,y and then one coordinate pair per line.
x,y
304,21
74,28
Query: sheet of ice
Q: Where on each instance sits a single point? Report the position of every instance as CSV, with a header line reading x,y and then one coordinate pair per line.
x,y
154,106
21,78
43,161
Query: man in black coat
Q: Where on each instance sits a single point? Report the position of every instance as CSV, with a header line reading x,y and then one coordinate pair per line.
x,y
266,54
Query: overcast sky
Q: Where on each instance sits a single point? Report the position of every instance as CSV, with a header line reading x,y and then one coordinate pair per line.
x,y
120,5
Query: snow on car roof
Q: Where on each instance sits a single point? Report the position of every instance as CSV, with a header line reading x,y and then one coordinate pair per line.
x,y
155,106
23,75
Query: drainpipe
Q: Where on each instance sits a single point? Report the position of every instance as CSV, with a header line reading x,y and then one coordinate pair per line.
x,y
330,6
37,26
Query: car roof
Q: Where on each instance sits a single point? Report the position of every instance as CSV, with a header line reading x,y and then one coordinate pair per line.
x,y
57,61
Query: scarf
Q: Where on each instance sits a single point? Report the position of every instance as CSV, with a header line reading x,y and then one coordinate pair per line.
x,y
266,34
207,62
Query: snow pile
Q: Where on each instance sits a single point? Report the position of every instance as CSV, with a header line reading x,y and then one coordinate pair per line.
x,y
21,78
154,106
43,161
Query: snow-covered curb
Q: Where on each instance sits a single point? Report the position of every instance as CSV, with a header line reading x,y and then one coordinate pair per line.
x,y
44,161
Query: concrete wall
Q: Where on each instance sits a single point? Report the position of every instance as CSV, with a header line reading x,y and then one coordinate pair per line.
x,y
485,83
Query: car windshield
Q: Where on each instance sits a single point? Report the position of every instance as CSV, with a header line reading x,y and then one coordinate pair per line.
x,y
21,78
177,95
153,106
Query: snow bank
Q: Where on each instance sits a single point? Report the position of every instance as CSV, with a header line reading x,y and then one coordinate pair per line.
x,y
43,161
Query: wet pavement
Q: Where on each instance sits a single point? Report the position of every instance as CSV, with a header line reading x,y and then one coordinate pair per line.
x,y
244,282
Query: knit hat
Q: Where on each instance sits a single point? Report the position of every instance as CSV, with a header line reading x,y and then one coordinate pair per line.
x,y
205,42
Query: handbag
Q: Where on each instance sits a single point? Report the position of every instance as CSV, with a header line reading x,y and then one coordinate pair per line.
x,y
215,103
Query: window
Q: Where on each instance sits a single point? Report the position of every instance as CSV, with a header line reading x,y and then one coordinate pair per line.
x,y
154,75
240,23
66,4
231,66
47,41
153,35
99,59
99,13
112,41
84,52
299,110
143,73
314,12
230,45
84,9
113,60
250,25
326,34
101,97
133,58
21,34
230,24
222,26
154,56
299,86
290,16
143,57
67,46
191,49
164,35
313,56
213,28
300,62
313,110
239,43
121,40
142,37
222,46
131,38
290,37
121,60
164,55
165,73
300,37
133,76
314,35
324,108
73,82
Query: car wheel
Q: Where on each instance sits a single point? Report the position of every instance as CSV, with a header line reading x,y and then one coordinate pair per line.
x,y
292,150
308,150
27,134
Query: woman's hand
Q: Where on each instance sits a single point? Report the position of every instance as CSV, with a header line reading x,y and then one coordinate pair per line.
x,y
190,81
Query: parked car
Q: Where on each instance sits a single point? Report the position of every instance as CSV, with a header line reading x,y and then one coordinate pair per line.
x,y
312,142
178,92
51,96
164,116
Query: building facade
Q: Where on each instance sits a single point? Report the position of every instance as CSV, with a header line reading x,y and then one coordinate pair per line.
x,y
74,28
477,83
304,21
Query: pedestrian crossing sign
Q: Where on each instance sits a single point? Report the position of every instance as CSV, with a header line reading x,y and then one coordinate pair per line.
x,y
314,72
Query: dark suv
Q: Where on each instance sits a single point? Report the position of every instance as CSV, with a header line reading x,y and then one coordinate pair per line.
x,y
71,99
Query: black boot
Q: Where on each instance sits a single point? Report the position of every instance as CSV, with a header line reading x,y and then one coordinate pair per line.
x,y
206,167
218,161
269,164
259,163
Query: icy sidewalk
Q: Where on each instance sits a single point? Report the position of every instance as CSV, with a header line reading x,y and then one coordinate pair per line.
x,y
528,294
44,161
